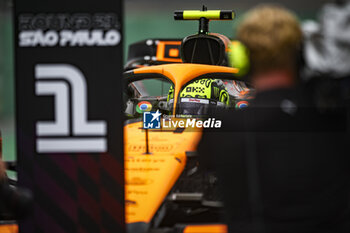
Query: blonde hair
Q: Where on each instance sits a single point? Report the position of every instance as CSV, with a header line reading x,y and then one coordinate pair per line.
x,y
273,37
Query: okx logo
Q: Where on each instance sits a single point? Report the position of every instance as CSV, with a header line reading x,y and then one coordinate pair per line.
x,y
70,131
151,120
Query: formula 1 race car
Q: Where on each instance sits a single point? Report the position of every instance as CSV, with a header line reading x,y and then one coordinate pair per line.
x,y
165,188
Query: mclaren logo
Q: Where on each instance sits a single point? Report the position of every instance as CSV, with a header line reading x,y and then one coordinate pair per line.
x,y
70,131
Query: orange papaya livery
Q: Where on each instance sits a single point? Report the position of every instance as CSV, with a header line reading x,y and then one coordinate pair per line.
x,y
219,228
169,51
153,168
9,228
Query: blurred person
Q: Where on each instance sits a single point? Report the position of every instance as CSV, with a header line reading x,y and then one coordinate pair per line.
x,y
327,42
282,163
327,55
15,203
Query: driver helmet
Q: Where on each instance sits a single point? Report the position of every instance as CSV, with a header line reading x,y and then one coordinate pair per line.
x,y
199,95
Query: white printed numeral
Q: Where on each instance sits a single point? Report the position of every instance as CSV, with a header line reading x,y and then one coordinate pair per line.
x,y
64,81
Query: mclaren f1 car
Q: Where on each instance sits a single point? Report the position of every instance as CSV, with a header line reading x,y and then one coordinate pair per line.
x,y
179,80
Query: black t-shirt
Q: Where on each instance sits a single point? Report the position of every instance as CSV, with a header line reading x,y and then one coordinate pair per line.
x,y
283,165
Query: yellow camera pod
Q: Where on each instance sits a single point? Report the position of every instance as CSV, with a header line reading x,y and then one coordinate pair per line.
x,y
209,15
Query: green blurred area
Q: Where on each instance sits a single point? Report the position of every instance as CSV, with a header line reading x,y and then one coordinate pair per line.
x,y
144,26
7,111
138,25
